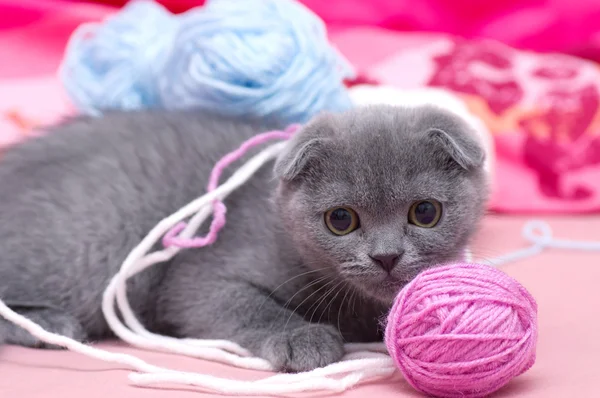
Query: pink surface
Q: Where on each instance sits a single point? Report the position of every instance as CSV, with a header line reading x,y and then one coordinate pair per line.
x,y
564,283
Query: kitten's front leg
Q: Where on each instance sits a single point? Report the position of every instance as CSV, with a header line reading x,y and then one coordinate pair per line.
x,y
250,317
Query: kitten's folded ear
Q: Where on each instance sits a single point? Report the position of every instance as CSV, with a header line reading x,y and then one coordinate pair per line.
x,y
305,150
462,149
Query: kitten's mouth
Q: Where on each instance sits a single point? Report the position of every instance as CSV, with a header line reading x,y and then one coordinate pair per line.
x,y
390,282
387,288
383,286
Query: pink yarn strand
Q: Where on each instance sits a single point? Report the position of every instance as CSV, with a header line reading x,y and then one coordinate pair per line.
x,y
171,238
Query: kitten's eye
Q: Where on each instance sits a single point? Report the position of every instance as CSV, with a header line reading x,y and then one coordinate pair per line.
x,y
425,213
341,220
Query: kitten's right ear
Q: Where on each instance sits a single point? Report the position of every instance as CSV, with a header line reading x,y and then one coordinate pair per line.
x,y
304,150
463,149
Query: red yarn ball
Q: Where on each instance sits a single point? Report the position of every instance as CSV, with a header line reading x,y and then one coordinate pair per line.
x,y
462,330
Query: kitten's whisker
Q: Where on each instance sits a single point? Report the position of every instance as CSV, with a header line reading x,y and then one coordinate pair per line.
x,y
331,290
483,253
320,301
330,302
352,302
353,299
341,305
303,301
285,305
308,285
287,281
328,306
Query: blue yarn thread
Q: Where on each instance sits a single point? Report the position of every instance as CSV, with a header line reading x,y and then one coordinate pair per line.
x,y
249,57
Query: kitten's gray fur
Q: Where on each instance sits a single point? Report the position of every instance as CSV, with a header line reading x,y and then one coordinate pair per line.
x,y
75,202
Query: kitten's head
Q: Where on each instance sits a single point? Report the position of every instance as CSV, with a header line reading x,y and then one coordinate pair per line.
x,y
377,194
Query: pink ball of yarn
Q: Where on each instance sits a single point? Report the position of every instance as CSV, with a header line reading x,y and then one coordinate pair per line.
x,y
462,330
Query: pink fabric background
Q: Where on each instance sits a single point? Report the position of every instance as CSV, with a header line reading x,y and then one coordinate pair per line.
x,y
568,26
33,33
564,284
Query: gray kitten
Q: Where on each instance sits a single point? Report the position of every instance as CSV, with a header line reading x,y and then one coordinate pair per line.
x,y
361,202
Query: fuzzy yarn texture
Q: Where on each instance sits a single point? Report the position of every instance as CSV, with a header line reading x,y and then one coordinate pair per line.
x,y
267,58
462,330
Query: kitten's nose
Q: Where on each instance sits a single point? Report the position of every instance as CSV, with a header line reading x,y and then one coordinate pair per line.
x,y
387,261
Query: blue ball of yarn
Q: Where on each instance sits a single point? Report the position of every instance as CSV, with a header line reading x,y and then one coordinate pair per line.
x,y
114,64
254,57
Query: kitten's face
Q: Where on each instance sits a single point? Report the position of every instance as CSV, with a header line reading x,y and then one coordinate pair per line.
x,y
378,194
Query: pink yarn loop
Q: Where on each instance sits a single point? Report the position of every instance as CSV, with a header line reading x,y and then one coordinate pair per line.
x,y
462,330
171,238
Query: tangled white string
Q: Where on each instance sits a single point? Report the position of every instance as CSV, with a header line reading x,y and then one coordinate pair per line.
x,y
362,361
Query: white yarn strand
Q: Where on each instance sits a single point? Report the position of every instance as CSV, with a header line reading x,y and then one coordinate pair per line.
x,y
539,234
136,262
362,361
75,346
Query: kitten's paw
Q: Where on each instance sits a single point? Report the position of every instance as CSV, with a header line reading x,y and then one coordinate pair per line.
x,y
51,321
303,349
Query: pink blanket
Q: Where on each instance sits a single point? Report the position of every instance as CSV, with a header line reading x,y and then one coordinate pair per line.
x,y
542,110
569,26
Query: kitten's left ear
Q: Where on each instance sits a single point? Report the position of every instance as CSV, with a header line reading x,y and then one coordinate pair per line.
x,y
305,150
462,148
